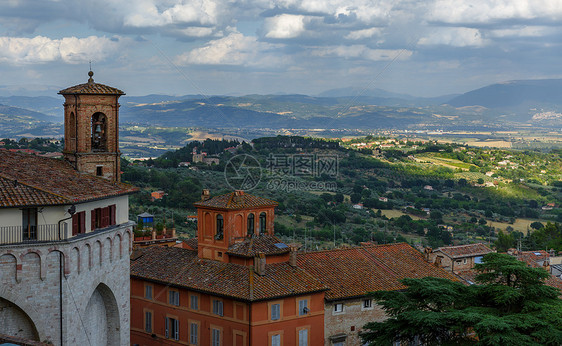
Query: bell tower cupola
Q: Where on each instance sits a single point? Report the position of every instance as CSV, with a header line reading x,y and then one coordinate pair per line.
x,y
91,128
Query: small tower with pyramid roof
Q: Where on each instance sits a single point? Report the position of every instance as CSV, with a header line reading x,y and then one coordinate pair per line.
x,y
91,128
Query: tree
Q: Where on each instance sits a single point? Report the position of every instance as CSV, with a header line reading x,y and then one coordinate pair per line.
x,y
511,305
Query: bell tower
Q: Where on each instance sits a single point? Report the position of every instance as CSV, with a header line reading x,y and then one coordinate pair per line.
x,y
91,128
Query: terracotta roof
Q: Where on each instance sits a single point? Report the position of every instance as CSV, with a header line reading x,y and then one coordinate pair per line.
x,y
29,180
461,251
249,247
354,272
234,201
533,259
182,268
91,88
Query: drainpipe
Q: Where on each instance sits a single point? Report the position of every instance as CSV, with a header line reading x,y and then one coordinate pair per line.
x,y
71,211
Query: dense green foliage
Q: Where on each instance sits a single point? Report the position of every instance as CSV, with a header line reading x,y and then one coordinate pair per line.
x,y
510,305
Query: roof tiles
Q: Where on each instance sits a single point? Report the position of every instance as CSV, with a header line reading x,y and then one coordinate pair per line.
x,y
236,200
468,250
354,272
29,180
181,267
91,88
249,247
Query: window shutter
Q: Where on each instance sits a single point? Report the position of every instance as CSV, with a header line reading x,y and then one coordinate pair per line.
x,y
93,220
275,311
75,223
193,334
276,340
167,328
113,214
105,217
82,222
176,329
303,337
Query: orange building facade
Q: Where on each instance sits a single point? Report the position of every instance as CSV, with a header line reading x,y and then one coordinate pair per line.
x,y
238,285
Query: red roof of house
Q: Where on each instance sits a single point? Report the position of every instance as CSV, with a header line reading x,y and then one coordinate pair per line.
x,y
183,268
460,251
236,200
29,180
354,272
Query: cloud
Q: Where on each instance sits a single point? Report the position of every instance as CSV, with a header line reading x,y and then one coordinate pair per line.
x,y
456,37
363,52
234,49
363,34
40,49
284,26
489,11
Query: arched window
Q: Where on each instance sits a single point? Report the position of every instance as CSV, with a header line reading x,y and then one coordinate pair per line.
x,y
263,222
99,132
220,226
251,224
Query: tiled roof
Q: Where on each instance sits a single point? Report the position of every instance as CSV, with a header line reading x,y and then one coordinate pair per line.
x,y
29,180
234,201
533,259
249,247
91,88
182,268
468,250
354,272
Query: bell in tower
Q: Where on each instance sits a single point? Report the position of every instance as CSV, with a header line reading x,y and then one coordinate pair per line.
x,y
91,128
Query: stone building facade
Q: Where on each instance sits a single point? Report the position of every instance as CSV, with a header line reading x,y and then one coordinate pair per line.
x,y
65,236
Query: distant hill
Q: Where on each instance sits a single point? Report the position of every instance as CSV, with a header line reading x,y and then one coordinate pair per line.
x,y
502,105
513,94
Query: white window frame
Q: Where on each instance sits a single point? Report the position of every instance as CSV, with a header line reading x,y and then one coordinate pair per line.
x,y
338,308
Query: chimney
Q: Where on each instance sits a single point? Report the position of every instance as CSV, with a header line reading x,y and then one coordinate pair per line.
x,y
293,257
238,196
205,195
259,263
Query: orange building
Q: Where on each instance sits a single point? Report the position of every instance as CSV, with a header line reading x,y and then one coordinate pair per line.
x,y
238,285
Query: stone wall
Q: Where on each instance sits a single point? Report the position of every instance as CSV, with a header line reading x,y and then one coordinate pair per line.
x,y
95,288
345,326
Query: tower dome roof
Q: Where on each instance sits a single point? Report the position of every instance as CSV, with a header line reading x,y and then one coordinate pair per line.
x,y
91,87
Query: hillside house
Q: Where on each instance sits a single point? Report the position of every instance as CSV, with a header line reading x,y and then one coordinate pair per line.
x,y
458,258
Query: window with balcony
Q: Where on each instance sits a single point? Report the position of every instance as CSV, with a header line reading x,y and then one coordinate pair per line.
x,y
172,328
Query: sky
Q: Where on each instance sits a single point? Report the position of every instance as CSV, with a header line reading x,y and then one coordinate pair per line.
x,y
235,47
